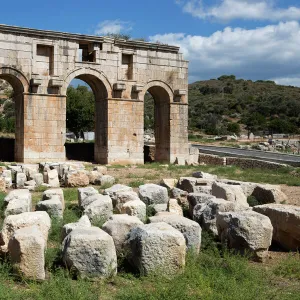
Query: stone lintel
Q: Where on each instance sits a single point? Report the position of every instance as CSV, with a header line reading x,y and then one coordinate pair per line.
x,y
119,87
56,83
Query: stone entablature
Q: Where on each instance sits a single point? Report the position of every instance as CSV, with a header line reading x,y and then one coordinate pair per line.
x,y
41,64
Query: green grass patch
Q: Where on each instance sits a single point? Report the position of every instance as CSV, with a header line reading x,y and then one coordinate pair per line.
x,y
136,183
289,267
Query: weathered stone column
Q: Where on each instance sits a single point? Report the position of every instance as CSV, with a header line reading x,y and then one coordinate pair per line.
x,y
44,128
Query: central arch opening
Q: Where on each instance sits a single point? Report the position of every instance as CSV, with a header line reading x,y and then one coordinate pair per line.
x,y
86,119
157,124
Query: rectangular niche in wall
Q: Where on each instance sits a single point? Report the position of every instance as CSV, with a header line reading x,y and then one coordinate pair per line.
x,y
87,52
127,66
45,60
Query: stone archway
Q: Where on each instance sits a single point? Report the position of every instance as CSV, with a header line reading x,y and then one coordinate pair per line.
x,y
20,85
102,91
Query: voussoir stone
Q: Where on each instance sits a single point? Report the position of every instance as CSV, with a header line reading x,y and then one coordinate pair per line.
x,y
153,194
286,223
118,227
27,253
90,252
83,222
135,208
246,231
14,222
191,230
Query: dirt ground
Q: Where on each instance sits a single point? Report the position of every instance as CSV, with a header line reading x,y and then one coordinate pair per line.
x,y
293,194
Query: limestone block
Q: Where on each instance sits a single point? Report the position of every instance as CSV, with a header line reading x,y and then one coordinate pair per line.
x,y
156,208
52,177
14,222
38,178
49,194
90,252
195,185
123,197
247,187
174,207
7,176
181,197
84,193
246,231
153,194
196,198
156,247
83,222
77,179
107,180
2,185
18,206
286,222
17,195
204,175
20,180
53,207
206,213
99,210
118,227
135,208
30,170
101,169
115,189
268,193
27,252
95,177
233,193
191,230
169,183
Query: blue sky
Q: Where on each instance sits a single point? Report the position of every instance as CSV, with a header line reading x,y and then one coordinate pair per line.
x,y
253,39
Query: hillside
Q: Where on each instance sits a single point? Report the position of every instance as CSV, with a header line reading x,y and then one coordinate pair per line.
x,y
218,105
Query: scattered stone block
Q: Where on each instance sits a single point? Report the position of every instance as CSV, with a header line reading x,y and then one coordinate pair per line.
x,y
195,185
268,193
181,197
123,197
85,196
49,194
107,180
101,169
27,253
286,222
169,183
196,198
77,179
38,178
22,194
115,189
118,227
174,207
2,185
246,231
52,178
20,180
191,230
156,247
95,177
204,175
153,194
83,222
90,252
18,206
53,207
135,208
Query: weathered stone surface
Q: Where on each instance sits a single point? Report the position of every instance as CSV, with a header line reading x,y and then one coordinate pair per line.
x,y
268,193
233,193
7,176
118,227
53,207
49,194
157,247
90,252
204,175
153,194
195,185
181,197
83,222
52,178
2,185
135,208
123,197
17,195
191,230
115,189
20,180
247,187
18,206
14,222
174,207
38,178
84,194
94,177
101,169
196,198
155,208
286,222
206,213
187,184
77,179
27,253
169,183
107,180
99,210
246,231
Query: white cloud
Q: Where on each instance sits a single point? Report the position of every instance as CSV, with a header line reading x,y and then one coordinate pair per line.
x,y
113,26
263,53
226,10
294,81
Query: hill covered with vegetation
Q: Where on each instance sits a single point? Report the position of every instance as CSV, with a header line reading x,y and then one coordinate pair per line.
x,y
227,105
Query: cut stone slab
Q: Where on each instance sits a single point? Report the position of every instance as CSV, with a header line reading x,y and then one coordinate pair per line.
x,y
153,194
246,231
99,210
174,207
233,193
18,206
135,208
206,213
83,222
89,253
118,227
49,194
83,194
52,178
17,195
77,179
169,183
268,193
27,253
157,247
20,180
14,222
53,207
123,197
286,222
196,198
191,230
115,189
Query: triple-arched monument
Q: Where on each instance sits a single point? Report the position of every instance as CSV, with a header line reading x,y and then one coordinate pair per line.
x,y
41,64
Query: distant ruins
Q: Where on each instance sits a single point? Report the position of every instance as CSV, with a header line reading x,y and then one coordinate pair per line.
x,y
40,65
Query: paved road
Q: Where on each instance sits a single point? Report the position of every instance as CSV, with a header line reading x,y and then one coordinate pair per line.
x,y
268,156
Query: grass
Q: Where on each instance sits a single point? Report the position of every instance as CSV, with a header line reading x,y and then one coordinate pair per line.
x,y
136,183
289,268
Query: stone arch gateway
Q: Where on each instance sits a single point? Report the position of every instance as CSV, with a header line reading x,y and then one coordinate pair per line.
x,y
41,64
